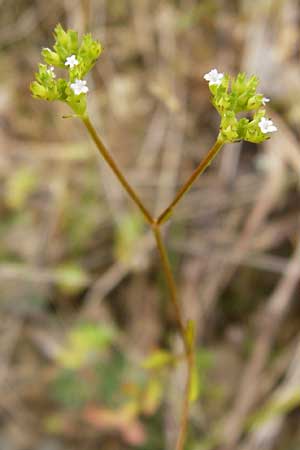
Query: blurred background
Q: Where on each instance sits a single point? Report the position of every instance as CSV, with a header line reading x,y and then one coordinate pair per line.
x,y
83,302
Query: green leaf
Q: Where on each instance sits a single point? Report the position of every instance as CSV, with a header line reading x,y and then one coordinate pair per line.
x,y
158,359
194,386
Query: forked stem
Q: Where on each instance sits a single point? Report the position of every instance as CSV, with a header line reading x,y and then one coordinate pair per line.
x,y
155,225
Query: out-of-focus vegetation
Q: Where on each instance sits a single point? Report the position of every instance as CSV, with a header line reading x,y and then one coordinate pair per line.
x,y
89,351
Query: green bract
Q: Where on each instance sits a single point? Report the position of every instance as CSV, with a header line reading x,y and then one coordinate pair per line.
x,y
232,96
85,53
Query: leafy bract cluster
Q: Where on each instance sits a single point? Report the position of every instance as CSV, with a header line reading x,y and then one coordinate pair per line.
x,y
232,96
77,58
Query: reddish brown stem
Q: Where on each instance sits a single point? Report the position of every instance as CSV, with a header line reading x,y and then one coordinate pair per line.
x,y
188,184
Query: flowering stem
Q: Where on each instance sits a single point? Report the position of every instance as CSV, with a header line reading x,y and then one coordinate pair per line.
x,y
188,184
112,164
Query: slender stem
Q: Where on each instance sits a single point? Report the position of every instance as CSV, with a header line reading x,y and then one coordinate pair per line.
x,y
112,164
187,185
170,280
186,404
189,354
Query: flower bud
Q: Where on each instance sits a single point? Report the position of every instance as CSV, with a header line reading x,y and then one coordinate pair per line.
x,y
38,91
254,102
51,57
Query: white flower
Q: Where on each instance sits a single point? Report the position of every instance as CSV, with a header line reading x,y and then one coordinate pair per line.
x,y
214,77
265,100
79,87
71,61
51,72
267,125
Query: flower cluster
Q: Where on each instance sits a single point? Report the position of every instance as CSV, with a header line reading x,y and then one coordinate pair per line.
x,y
234,95
75,57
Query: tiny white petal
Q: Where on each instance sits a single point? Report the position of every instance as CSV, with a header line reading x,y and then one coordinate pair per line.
x,y
266,126
272,128
265,100
71,61
51,71
214,77
79,87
